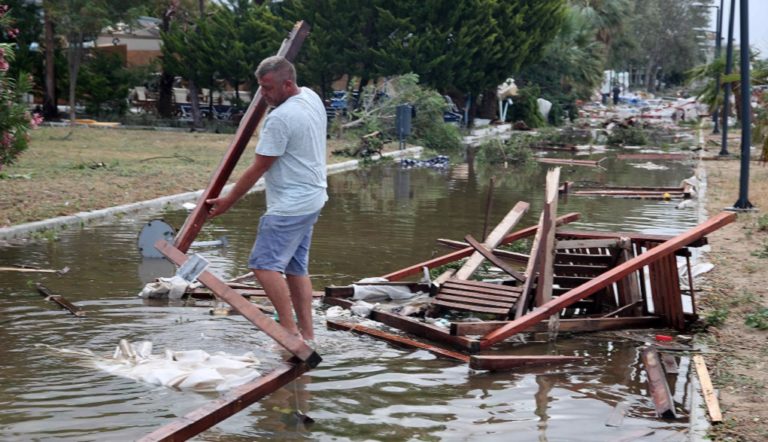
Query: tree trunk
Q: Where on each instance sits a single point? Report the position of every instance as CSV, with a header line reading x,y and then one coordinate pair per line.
x,y
50,110
74,56
194,100
165,93
650,78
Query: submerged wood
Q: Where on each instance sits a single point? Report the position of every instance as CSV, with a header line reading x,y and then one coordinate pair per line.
x,y
654,156
570,162
493,363
266,324
395,339
208,415
60,300
713,406
609,277
253,116
454,256
547,259
657,384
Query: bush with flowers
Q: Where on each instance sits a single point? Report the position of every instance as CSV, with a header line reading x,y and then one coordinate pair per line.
x,y
15,120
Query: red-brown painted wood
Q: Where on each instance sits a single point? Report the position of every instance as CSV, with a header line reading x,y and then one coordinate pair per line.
x,y
494,363
611,276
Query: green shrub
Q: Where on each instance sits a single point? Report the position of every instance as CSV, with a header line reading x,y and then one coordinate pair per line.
x,y
716,317
758,319
526,108
515,150
623,136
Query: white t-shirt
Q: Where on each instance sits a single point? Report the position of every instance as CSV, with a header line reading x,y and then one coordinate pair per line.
x,y
295,132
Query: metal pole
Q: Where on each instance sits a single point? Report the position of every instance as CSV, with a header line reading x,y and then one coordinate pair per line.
x,y
727,91
718,49
746,110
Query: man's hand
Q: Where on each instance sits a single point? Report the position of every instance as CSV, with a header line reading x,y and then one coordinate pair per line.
x,y
219,205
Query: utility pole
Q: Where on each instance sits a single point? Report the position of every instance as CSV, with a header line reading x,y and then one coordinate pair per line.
x,y
743,203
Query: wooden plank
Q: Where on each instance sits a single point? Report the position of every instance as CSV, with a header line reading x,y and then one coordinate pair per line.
x,y
508,300
238,399
494,239
455,256
294,344
710,398
571,281
487,254
530,271
474,308
413,326
578,270
634,236
583,259
566,325
570,162
253,116
480,285
564,244
501,253
395,339
475,301
545,263
611,276
203,293
622,309
629,293
669,363
657,384
60,300
495,363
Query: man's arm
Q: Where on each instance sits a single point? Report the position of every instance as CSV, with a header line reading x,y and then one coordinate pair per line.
x,y
260,164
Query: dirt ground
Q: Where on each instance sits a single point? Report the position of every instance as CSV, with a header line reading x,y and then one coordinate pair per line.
x,y
734,292
65,172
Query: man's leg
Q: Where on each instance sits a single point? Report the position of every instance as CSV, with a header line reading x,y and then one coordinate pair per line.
x,y
278,293
301,295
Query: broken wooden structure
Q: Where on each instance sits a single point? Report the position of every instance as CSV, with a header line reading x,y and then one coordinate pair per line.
x,y
634,192
304,357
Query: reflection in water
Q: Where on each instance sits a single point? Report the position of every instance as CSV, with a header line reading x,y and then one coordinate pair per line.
x,y
377,220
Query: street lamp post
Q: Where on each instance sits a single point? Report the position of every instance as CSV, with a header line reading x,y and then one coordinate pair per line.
x,y
746,112
718,48
727,91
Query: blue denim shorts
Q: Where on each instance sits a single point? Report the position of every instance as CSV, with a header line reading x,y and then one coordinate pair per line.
x,y
282,244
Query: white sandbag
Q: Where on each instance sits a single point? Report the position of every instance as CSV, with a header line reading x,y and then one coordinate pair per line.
x,y
380,291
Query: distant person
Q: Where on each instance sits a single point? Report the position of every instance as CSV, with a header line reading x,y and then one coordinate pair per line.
x,y
616,92
290,154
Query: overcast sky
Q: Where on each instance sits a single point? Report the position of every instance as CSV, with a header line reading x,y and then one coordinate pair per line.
x,y
758,31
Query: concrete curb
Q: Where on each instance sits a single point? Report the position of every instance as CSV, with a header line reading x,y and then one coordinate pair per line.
x,y
81,218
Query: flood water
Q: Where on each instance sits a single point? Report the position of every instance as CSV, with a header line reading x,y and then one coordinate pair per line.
x,y
378,219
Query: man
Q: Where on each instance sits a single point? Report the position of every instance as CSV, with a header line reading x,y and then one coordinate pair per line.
x,y
290,155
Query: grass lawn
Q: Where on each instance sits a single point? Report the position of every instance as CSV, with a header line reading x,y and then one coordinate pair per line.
x,y
68,170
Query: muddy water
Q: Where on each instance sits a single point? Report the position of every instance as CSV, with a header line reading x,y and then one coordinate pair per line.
x,y
378,219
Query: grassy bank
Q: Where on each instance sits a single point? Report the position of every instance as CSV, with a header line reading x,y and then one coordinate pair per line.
x,y
68,170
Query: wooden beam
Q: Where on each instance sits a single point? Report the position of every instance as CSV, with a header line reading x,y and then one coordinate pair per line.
x,y
586,243
455,256
395,339
60,300
713,406
292,343
609,277
208,415
494,239
547,259
530,271
413,326
657,384
566,325
487,254
494,363
569,162
253,116
634,236
501,253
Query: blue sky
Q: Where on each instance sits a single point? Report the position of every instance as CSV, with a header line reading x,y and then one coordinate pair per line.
x,y
758,31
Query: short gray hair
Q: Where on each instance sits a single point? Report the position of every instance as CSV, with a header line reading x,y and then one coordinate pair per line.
x,y
278,64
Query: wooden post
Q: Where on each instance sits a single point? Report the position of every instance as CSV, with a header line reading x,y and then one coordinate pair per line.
x,y
611,276
253,116
657,384
547,230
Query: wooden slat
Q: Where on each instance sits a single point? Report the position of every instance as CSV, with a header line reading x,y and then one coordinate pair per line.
x,y
530,271
494,239
634,236
454,256
500,291
583,259
607,278
266,324
494,363
566,325
239,398
713,406
480,285
657,384
395,339
545,265
474,301
586,243
203,293
253,116
487,254
669,363
511,299
473,308
60,300
571,281
578,270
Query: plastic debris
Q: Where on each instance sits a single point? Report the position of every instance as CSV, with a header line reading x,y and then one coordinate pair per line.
x,y
380,291
438,162
170,288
